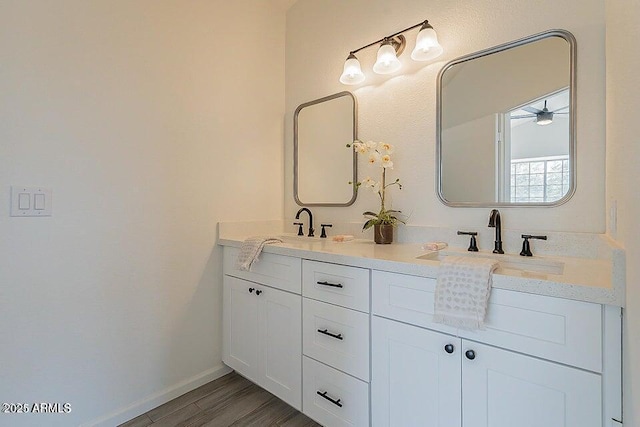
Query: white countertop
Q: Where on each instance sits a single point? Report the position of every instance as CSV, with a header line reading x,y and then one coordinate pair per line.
x,y
584,279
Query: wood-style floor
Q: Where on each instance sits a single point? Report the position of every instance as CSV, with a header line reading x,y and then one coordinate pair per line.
x,y
228,401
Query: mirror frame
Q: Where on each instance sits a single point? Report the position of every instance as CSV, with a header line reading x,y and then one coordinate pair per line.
x,y
569,38
296,142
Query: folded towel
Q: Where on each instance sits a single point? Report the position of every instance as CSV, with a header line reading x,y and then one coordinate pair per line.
x,y
343,238
250,250
462,291
434,246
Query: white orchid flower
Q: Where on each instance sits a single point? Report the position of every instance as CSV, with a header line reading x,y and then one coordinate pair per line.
x,y
386,161
374,158
385,147
371,145
359,147
370,183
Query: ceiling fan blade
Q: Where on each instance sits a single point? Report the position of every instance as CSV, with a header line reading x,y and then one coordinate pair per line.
x,y
558,109
531,110
555,114
528,116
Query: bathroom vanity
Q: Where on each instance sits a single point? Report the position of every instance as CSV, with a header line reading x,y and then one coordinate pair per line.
x,y
344,333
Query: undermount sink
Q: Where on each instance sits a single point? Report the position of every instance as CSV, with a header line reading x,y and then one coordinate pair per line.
x,y
513,262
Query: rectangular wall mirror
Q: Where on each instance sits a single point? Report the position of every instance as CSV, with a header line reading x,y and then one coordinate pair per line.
x,y
506,124
323,165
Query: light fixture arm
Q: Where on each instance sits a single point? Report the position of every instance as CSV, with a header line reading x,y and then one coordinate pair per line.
x,y
426,22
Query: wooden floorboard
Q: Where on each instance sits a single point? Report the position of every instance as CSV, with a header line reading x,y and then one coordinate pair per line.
x,y
228,401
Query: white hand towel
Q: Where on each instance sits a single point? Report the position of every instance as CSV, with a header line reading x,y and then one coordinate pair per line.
x,y
250,250
462,291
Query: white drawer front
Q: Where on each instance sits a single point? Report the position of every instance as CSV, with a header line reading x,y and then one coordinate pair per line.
x,y
336,336
405,298
350,396
337,284
562,330
278,271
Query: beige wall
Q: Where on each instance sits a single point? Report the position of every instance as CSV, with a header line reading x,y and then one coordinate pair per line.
x,y
151,121
623,176
401,109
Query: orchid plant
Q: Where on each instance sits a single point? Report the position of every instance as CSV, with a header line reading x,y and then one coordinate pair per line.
x,y
379,154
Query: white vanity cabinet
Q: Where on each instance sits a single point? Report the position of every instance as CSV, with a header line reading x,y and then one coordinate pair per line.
x,y
350,346
262,328
444,377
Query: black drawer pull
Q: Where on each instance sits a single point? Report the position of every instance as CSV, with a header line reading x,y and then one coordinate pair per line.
x,y
325,332
251,290
324,394
333,285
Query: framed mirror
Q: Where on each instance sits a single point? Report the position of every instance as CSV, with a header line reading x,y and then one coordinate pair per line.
x,y
506,124
323,165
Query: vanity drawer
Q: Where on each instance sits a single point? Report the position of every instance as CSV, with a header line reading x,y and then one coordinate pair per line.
x,y
557,329
405,298
333,398
337,284
336,336
561,330
278,271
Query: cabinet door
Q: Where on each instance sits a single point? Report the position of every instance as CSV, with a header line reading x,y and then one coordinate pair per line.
x,y
505,389
240,326
415,381
280,344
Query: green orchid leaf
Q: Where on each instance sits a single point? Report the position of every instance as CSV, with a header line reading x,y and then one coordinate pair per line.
x,y
369,224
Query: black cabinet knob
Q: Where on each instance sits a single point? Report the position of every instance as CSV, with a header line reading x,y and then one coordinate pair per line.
x,y
449,348
470,354
251,290
258,292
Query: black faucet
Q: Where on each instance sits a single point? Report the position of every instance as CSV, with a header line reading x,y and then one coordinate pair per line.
x,y
310,219
494,222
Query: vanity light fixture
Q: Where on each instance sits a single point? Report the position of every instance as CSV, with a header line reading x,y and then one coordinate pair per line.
x,y
387,62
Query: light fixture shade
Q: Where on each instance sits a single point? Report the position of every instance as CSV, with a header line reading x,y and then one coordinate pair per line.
x,y
427,46
387,61
544,118
352,73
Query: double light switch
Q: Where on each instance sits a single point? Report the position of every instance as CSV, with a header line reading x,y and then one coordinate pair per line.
x,y
30,201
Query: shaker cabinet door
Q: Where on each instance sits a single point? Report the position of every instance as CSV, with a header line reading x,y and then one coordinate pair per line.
x,y
506,389
280,344
415,377
240,326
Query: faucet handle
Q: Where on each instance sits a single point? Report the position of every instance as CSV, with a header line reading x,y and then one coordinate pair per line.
x,y
299,224
473,244
323,234
526,246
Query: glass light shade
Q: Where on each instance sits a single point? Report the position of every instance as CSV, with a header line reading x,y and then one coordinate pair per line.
x,y
387,61
427,46
352,73
544,118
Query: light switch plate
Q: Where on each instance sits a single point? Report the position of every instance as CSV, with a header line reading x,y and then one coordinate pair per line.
x,y
31,201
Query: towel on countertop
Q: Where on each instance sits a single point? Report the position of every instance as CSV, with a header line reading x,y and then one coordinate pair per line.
x,y
250,250
462,291
434,246
343,238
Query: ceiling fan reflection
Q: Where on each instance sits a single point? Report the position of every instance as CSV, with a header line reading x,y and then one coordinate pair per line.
x,y
542,117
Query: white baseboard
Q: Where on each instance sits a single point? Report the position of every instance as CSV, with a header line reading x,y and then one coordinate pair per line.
x,y
143,405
